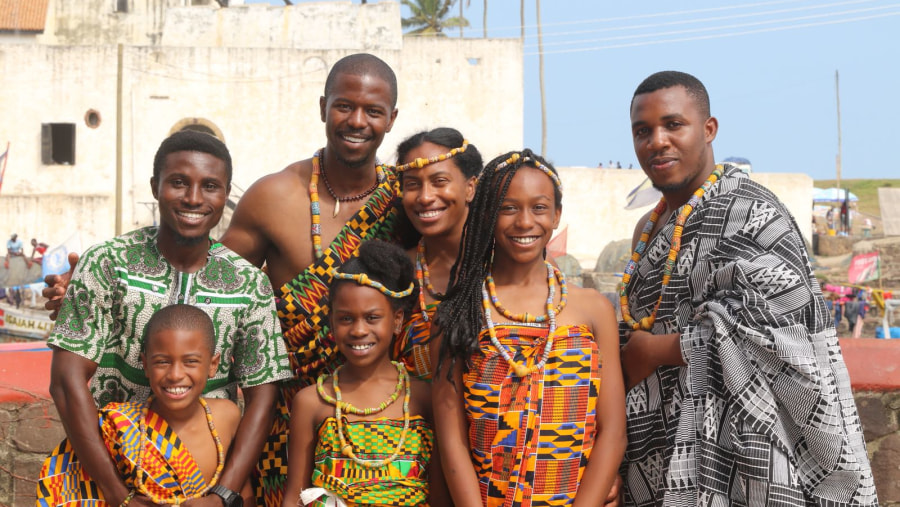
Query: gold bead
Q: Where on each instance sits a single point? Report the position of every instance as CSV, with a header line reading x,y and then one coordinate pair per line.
x,y
347,450
647,323
521,370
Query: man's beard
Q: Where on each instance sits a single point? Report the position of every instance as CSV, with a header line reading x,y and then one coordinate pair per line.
x,y
186,241
674,187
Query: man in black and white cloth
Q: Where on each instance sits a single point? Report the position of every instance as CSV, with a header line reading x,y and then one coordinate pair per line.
x,y
738,390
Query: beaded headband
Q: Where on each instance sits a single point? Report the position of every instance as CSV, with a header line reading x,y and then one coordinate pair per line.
x,y
363,279
515,157
422,162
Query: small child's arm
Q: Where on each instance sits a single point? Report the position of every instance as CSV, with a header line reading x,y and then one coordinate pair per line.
x,y
301,445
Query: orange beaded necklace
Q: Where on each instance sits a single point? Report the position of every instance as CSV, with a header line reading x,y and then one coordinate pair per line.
x,y
646,323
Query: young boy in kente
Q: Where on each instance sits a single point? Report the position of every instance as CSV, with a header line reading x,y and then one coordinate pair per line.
x,y
352,440
167,449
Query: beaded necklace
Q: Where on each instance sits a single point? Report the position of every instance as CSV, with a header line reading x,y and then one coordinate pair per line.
x,y
339,200
527,317
646,323
361,411
521,370
422,276
139,471
339,405
314,209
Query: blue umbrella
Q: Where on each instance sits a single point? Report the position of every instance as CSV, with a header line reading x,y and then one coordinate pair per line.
x,y
832,194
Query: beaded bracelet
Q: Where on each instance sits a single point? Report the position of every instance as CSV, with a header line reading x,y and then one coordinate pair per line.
x,y
128,498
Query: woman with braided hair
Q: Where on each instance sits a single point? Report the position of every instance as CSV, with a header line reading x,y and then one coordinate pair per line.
x,y
521,414
437,170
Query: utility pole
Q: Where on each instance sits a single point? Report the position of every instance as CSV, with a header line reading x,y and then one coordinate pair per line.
x,y
837,91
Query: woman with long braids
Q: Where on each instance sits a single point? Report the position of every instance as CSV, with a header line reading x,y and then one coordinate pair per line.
x,y
437,169
521,414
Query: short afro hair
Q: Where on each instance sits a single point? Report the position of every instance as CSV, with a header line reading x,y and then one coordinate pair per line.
x,y
672,78
180,316
362,64
192,140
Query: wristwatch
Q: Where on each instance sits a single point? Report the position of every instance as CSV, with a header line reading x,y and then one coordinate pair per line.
x,y
229,498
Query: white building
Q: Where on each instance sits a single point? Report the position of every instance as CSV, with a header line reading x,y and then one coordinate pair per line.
x,y
250,74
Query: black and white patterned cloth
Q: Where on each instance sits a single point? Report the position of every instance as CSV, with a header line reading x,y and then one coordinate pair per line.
x,y
763,413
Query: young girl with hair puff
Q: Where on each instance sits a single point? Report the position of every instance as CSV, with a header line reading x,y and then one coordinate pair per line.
x,y
363,435
522,416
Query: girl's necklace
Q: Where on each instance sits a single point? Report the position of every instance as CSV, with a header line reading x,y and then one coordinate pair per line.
x,y
352,409
521,370
527,317
339,405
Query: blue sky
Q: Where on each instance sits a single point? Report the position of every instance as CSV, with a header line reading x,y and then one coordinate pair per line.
x,y
769,67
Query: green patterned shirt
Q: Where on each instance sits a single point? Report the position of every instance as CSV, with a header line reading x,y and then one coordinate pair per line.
x,y
119,284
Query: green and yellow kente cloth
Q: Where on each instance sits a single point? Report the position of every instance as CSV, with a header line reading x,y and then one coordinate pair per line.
x,y
531,437
171,472
303,308
403,482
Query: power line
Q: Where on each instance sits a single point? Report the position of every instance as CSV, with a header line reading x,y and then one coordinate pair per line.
x,y
703,20
722,35
721,27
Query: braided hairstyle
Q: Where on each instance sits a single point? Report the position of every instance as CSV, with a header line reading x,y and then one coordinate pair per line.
x,y
468,162
459,317
387,264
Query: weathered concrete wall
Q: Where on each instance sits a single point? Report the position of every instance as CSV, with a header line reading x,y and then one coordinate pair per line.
x,y
321,26
594,206
96,22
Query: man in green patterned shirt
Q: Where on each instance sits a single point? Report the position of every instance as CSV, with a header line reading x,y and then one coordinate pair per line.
x,y
116,287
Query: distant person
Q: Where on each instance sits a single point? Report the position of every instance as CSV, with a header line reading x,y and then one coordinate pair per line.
x,y
867,227
845,217
13,248
170,447
38,249
860,321
738,393
851,313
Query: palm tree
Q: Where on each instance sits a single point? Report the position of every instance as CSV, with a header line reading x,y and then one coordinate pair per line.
x,y
429,17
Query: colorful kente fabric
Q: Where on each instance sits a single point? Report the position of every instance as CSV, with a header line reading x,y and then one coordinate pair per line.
x,y
118,284
412,345
303,308
763,413
531,437
403,482
171,472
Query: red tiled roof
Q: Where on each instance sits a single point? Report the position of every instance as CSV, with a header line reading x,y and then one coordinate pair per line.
x,y
23,15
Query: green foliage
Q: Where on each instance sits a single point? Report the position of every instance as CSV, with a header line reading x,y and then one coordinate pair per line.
x,y
866,190
429,17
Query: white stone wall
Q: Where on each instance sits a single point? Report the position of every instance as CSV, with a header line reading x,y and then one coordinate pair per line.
x,y
317,25
96,22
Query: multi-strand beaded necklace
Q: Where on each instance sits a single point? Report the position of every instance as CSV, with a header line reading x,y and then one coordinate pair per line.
x,y
424,280
140,473
489,298
646,323
340,406
314,206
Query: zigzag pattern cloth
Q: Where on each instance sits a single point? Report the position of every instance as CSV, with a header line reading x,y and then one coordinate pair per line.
x,y
303,309
763,414
404,482
171,471
532,436
412,345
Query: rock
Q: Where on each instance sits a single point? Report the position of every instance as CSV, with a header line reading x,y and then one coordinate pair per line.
x,y
830,246
614,257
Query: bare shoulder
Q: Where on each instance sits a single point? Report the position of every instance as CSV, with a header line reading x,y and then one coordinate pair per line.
x,y
226,415
590,300
292,178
